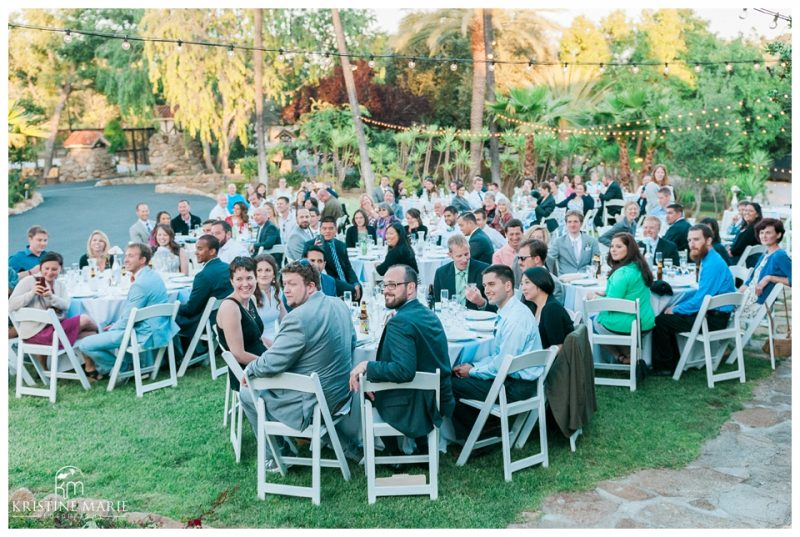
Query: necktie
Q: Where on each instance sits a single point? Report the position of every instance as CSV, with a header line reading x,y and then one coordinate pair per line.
x,y
147,226
461,287
335,256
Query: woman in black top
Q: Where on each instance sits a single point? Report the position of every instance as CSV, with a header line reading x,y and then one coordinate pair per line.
x,y
239,324
414,225
747,236
554,322
716,242
360,228
399,253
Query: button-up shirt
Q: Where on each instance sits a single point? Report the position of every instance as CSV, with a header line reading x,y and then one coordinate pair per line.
x,y
504,256
517,332
715,279
24,259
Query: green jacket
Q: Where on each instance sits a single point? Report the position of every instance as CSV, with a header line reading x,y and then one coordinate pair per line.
x,y
627,282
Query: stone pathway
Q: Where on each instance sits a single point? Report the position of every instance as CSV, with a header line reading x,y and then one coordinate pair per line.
x,y
742,478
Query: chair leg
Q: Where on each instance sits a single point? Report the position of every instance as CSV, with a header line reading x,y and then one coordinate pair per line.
x,y
53,374
137,372
262,451
316,455
226,410
433,467
740,358
709,361
506,445
473,437
20,370
543,435
239,412
369,455
771,329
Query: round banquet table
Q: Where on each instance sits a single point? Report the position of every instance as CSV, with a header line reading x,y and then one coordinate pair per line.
x,y
364,267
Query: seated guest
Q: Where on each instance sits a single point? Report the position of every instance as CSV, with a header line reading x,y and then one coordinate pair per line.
x,y
446,227
300,234
475,196
185,221
545,207
240,327
413,340
175,260
212,281
313,219
390,199
206,226
300,199
269,234
664,196
366,205
427,191
97,248
630,279
233,198
533,253
502,216
361,230
574,250
717,241
747,234
507,255
382,187
140,231
653,244
480,245
333,207
26,261
459,201
516,333
268,297
554,322
283,190
489,207
738,219
162,217
220,210
579,200
414,224
284,218
228,247
386,219
43,292
337,263
540,233
239,218
399,251
715,279
774,266
317,336
678,230
315,255
399,189
626,225
457,277
498,241
147,290
610,191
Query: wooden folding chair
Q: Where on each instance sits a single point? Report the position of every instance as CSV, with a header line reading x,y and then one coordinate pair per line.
x,y
632,340
204,333
374,426
24,382
533,406
322,424
130,345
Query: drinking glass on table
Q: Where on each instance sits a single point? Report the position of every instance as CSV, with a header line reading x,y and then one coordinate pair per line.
x,y
445,296
659,258
692,269
347,296
590,272
683,258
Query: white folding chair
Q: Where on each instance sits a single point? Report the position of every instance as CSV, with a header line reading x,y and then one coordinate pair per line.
x,y
753,249
752,324
229,395
608,219
322,423
533,407
235,407
13,349
632,340
372,425
24,382
130,345
740,271
204,333
277,249
588,222
701,334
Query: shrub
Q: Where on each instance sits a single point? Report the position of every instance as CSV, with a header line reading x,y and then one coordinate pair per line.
x,y
19,188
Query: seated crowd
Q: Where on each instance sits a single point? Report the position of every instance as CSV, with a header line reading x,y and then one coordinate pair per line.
x,y
290,319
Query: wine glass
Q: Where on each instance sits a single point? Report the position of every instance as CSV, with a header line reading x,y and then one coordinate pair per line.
x,y
445,296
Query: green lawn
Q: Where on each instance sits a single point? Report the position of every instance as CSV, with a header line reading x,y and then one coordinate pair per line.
x,y
169,454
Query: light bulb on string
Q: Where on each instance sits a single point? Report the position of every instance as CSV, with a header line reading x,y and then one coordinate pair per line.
x,y
635,68
565,67
774,23
602,68
68,37
126,45
281,55
453,66
353,67
530,66
743,14
756,65
729,67
371,62
697,68
666,69
491,66
179,46
230,51
411,64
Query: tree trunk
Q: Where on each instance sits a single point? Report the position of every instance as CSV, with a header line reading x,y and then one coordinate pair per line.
x,y
624,164
50,143
478,91
426,168
494,149
366,168
649,156
207,157
258,73
529,168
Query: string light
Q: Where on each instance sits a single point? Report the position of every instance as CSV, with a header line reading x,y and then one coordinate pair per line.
x,y
411,64
774,23
453,67
353,67
756,65
179,46
529,67
565,67
729,67
281,55
602,68
697,68
666,69
635,68
371,62
743,14
68,37
126,45
491,66
230,51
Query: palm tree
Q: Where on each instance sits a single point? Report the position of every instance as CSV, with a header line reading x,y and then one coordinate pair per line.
x,y
21,127
258,70
628,105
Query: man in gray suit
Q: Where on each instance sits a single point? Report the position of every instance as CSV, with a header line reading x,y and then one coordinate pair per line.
x,y
574,250
140,231
300,234
317,336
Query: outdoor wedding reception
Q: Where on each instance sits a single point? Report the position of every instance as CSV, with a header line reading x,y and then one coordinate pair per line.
x,y
414,267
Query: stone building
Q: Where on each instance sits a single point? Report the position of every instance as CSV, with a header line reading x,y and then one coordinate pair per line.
x,y
169,151
87,157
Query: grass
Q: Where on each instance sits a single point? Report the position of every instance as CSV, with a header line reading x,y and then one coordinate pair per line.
x,y
169,454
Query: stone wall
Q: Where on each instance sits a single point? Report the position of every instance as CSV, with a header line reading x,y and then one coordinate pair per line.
x,y
82,164
170,154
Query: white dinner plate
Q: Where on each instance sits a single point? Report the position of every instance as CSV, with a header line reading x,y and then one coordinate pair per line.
x,y
460,335
481,326
367,257
475,315
181,279
586,282
352,251
83,294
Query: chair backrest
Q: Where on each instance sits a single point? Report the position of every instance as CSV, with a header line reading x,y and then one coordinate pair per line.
x,y
614,203
158,310
753,249
233,365
421,381
216,334
740,271
287,381
543,358
46,317
277,249
725,299
618,305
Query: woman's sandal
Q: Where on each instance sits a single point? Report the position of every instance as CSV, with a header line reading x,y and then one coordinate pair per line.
x,y
626,360
92,375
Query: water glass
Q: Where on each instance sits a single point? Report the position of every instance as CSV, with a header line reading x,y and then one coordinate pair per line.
x,y
445,296
659,258
590,272
668,264
692,268
347,297
684,258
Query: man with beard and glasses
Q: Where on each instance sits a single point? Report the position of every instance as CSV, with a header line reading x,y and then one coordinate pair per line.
x,y
715,279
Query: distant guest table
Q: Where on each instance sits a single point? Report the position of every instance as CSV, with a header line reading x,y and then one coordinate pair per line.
x,y
364,267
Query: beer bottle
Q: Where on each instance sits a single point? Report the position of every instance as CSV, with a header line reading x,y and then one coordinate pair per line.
x,y
597,265
660,271
364,319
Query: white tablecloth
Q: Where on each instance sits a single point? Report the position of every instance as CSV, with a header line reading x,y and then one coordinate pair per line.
x,y
107,306
365,268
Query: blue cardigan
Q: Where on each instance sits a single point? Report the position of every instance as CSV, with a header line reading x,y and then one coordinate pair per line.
x,y
777,264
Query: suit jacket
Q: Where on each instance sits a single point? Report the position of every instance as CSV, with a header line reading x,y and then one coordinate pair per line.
x,y
413,340
544,208
213,280
296,243
613,192
445,278
330,266
148,289
315,337
667,249
619,227
678,234
480,246
351,236
138,233
268,236
180,227
561,250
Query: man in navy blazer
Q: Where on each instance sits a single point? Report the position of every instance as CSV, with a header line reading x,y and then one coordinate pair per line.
x,y
613,192
445,277
347,279
148,289
213,280
268,233
480,245
413,340
678,231
185,221
652,244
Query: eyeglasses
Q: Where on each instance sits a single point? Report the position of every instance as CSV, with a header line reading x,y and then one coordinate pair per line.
x,y
391,286
522,258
